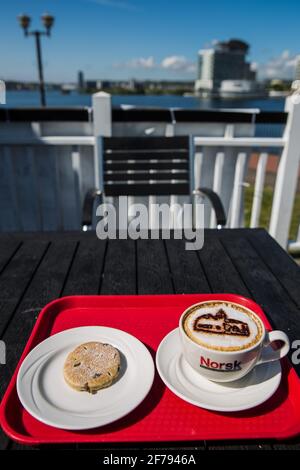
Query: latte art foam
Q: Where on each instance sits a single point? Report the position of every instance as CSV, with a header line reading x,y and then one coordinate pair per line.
x,y
222,326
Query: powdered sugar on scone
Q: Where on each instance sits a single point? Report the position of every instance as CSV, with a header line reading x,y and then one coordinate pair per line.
x,y
92,366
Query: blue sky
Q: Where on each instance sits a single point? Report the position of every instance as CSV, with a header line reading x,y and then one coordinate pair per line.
x,y
146,39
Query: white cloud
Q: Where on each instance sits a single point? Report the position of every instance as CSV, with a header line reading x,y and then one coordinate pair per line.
x,y
138,63
178,63
285,55
172,63
281,66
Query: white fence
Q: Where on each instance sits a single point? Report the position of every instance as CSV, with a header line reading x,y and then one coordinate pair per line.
x,y
46,168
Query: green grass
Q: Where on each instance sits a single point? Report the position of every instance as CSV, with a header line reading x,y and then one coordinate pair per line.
x,y
266,210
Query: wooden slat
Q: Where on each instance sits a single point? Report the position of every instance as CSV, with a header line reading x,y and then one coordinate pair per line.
x,y
76,170
9,211
119,274
143,189
85,275
141,115
204,170
220,272
145,155
236,202
146,176
186,270
240,142
141,143
217,183
284,268
46,283
21,268
146,165
8,249
67,188
87,165
271,117
198,161
27,194
197,115
153,273
45,114
47,187
258,189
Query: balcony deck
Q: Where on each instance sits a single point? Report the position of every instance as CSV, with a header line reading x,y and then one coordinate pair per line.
x,y
54,152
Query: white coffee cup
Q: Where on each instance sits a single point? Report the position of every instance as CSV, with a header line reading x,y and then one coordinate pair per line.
x,y
226,366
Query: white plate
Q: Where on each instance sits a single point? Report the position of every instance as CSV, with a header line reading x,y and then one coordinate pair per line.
x,y
45,395
252,390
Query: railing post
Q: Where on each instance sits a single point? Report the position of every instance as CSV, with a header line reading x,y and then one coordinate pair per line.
x,y
236,202
102,114
287,175
258,189
102,128
217,183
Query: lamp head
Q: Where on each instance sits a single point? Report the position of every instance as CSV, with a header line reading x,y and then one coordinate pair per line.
x,y
48,21
24,21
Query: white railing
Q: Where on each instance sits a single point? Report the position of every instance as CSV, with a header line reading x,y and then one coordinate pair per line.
x,y
63,167
286,179
248,145
258,189
250,142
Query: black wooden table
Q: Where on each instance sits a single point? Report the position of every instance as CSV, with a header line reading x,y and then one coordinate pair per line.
x,y
37,268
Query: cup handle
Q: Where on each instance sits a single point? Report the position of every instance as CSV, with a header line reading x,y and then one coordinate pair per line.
x,y
269,354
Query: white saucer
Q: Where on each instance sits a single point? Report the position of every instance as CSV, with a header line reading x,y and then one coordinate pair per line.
x,y
252,390
45,395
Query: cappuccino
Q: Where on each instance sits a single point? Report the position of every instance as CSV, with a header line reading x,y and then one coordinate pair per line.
x,y
222,326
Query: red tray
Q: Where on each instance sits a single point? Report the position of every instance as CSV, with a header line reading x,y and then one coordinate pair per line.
x,y
162,416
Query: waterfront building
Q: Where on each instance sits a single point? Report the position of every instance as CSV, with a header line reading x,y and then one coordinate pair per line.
x,y
80,80
225,61
297,72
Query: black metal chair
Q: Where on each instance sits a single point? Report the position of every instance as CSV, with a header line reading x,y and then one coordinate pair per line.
x,y
147,166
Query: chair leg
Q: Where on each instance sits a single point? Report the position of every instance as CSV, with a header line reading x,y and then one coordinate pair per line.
x,y
216,203
88,205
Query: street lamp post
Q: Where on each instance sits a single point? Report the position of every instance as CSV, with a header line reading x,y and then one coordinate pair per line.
x,y
48,22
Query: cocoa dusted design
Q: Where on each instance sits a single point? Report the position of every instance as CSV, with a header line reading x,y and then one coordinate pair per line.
x,y
220,324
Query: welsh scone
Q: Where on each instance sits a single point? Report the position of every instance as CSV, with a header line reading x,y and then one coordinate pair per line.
x,y
92,366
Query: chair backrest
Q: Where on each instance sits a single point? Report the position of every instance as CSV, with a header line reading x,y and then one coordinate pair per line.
x,y
143,166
